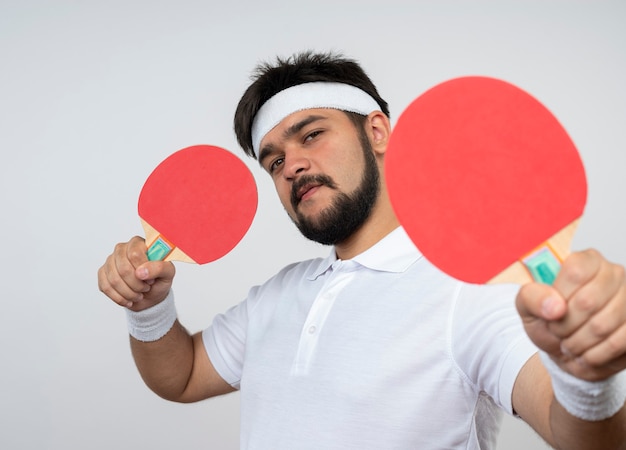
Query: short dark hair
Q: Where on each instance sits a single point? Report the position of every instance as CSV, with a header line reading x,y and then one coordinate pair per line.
x,y
305,67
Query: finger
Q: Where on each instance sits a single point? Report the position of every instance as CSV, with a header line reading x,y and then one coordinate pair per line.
x,y
577,269
118,280
608,352
136,251
599,282
580,369
598,327
601,361
126,258
152,271
158,275
540,301
537,305
106,286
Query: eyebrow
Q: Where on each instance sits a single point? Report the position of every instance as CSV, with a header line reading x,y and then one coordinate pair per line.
x,y
290,132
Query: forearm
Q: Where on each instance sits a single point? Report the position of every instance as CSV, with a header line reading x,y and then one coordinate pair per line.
x,y
572,433
172,363
535,401
585,414
166,364
162,348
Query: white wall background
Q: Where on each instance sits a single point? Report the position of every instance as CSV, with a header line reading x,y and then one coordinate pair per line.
x,y
94,94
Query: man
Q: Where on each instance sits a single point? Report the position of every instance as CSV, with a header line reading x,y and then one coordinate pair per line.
x,y
372,347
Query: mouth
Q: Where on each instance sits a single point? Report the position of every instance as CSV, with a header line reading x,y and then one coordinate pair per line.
x,y
306,191
305,187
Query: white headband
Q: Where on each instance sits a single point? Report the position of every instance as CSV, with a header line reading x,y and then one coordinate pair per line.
x,y
319,94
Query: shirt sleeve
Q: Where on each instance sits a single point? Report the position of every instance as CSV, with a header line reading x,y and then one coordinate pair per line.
x,y
225,342
488,341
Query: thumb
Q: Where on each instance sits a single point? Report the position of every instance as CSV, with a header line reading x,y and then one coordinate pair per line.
x,y
538,305
158,275
540,301
153,271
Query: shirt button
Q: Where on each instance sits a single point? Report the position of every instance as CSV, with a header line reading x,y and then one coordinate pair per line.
x,y
312,329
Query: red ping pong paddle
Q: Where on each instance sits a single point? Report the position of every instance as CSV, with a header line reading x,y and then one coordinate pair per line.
x,y
486,181
197,205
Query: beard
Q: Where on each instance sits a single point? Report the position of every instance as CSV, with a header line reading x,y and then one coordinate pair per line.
x,y
347,212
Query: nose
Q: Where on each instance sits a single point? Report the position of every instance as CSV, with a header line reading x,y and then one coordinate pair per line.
x,y
296,162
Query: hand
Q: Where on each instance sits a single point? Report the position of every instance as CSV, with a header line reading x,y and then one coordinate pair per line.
x,y
580,321
130,280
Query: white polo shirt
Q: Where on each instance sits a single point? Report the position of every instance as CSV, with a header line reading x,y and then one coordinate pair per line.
x,y
379,352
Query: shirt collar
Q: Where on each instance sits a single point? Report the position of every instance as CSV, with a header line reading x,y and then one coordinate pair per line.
x,y
393,253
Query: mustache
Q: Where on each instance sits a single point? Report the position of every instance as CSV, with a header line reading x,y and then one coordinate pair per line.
x,y
321,180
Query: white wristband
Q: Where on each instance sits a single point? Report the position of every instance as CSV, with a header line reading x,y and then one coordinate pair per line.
x,y
587,400
153,323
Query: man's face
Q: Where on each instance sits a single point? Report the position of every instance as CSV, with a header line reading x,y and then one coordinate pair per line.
x,y
324,171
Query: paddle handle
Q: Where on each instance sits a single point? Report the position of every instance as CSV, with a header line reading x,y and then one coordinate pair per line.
x,y
159,249
541,264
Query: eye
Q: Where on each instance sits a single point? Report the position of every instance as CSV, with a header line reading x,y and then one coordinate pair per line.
x,y
275,164
312,135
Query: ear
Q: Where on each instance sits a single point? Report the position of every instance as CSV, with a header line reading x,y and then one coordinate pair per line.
x,y
379,131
